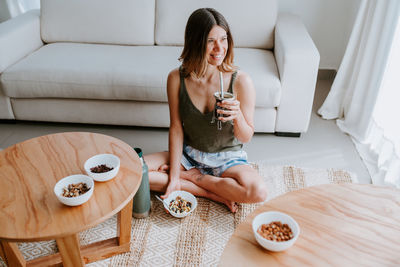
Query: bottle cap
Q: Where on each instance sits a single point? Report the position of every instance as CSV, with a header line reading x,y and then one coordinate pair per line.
x,y
138,151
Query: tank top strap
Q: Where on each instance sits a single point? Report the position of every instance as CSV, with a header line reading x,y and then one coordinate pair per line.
x,y
233,78
181,73
182,88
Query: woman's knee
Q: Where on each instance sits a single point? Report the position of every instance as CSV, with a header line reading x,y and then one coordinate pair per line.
x,y
256,190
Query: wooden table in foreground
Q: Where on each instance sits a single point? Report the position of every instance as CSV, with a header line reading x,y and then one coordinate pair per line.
x,y
340,225
31,212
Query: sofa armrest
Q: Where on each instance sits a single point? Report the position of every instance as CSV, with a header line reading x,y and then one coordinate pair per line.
x,y
297,59
19,37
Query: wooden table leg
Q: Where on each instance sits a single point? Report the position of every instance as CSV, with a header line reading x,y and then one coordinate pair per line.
x,y
11,254
70,251
124,224
2,253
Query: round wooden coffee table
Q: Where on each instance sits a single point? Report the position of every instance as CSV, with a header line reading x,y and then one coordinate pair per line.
x,y
31,212
340,225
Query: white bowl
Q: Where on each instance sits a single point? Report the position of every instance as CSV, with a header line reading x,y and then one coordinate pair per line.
x,y
271,216
109,160
184,195
74,179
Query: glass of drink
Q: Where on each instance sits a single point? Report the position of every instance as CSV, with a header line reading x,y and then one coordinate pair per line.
x,y
218,99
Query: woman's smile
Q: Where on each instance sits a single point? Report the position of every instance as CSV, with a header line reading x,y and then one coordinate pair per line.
x,y
217,45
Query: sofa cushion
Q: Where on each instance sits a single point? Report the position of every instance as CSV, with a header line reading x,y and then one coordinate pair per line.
x,y
98,21
94,71
252,22
116,112
87,111
260,65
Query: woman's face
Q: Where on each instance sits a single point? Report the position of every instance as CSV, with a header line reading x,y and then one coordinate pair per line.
x,y
217,45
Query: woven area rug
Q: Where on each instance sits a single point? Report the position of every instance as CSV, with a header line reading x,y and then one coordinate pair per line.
x,y
199,239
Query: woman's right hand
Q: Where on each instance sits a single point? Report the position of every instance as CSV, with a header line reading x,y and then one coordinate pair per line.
x,y
174,185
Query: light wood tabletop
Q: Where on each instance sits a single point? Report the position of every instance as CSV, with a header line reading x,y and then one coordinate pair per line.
x,y
340,225
30,211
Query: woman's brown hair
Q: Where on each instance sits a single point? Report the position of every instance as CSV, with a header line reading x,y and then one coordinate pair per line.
x,y
197,29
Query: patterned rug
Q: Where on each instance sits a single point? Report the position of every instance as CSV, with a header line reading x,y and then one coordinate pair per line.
x,y
199,239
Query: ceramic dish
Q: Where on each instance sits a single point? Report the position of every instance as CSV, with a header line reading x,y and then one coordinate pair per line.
x,y
185,196
109,160
271,216
74,179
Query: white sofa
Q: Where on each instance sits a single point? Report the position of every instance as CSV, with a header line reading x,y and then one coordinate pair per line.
x,y
107,61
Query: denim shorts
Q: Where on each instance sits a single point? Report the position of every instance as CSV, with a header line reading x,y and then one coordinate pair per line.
x,y
212,163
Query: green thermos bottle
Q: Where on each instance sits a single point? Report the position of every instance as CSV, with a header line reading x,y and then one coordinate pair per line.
x,y
141,200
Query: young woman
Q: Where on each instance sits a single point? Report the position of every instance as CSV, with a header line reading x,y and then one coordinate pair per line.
x,y
202,159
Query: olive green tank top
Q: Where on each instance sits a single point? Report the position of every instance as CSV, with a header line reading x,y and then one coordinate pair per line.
x,y
200,129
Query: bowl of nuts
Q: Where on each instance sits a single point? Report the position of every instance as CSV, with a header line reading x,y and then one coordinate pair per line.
x,y
275,231
180,203
74,190
102,167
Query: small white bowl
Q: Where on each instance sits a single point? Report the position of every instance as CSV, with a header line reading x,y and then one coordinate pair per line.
x,y
184,195
109,160
271,216
74,179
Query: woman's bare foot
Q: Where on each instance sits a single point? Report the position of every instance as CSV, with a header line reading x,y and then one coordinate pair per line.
x,y
193,174
163,168
232,206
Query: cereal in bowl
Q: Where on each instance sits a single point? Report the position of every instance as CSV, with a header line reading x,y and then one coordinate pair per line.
x,y
179,205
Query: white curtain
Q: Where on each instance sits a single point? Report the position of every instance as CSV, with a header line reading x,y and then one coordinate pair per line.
x,y
358,98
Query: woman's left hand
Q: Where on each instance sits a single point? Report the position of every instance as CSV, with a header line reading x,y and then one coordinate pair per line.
x,y
230,110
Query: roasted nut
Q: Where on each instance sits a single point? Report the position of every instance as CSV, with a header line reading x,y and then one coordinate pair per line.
x,y
74,190
276,231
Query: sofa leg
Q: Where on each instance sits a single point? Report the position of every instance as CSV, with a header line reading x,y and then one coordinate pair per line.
x,y
287,134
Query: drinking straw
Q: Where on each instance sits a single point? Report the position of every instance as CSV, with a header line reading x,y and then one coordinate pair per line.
x,y
221,84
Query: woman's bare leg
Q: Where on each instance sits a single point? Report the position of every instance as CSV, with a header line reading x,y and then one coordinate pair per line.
x,y
158,178
240,183
201,192
160,181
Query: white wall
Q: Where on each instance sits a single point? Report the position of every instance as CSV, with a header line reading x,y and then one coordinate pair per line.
x,y
329,23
